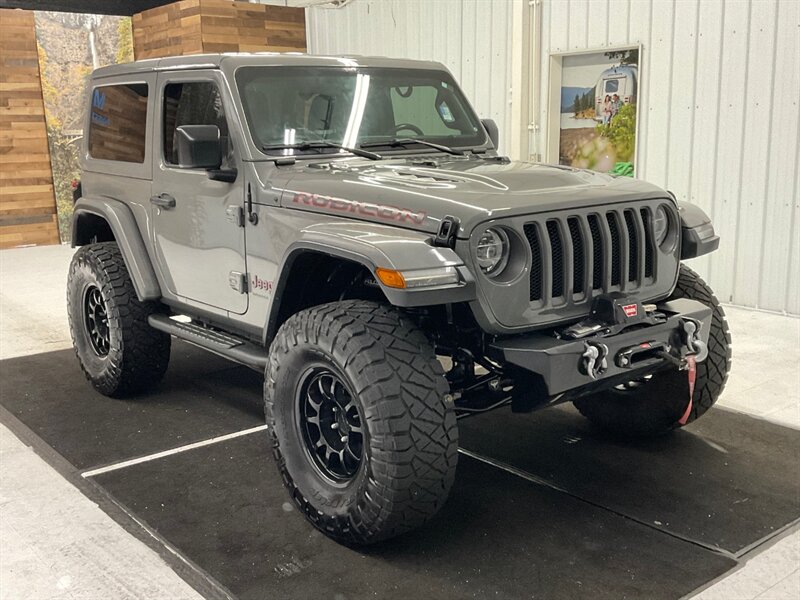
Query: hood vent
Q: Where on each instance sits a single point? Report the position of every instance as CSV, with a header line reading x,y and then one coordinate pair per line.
x,y
417,178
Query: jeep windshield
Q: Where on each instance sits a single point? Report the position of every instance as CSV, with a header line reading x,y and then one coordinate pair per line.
x,y
382,108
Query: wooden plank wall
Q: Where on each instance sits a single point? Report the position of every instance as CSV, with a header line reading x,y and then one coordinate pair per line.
x,y
197,26
27,198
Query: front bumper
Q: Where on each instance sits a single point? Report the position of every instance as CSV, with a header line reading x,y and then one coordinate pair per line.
x,y
559,364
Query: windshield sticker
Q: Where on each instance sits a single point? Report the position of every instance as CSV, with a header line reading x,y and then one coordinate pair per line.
x,y
447,115
367,209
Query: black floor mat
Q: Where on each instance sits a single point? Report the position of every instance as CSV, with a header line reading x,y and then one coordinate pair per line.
x,y
499,536
726,481
624,526
201,396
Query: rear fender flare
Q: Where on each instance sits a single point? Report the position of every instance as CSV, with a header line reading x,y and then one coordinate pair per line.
x,y
120,220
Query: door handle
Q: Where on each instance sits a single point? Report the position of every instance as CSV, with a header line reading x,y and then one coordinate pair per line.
x,y
163,200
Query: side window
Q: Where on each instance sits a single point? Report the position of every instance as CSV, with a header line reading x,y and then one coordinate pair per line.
x,y
193,103
118,124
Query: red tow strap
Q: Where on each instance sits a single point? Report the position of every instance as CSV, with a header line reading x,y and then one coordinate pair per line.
x,y
691,365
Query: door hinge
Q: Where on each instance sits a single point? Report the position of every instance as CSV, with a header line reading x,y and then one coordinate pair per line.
x,y
238,281
235,215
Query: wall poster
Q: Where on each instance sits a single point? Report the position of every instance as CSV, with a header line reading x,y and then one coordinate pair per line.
x,y
597,110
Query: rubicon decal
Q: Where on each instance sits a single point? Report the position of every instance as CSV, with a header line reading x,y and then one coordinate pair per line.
x,y
367,209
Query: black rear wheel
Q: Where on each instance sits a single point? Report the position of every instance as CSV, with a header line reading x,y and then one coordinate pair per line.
x,y
118,351
362,433
659,403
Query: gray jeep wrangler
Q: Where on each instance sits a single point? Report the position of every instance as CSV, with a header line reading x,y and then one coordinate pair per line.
x,y
346,226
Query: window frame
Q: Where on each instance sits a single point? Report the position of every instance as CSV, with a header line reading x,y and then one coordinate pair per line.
x,y
163,113
89,163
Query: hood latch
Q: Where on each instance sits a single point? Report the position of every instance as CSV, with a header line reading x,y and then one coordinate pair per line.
x,y
448,229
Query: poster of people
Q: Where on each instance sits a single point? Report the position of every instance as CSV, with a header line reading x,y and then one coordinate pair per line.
x,y
598,111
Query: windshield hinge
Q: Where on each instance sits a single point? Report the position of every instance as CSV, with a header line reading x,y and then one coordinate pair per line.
x,y
235,214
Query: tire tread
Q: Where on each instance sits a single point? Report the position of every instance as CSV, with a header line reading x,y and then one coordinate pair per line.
x,y
413,430
142,356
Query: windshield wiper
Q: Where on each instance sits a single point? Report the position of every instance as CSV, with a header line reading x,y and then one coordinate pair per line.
x,y
407,141
317,144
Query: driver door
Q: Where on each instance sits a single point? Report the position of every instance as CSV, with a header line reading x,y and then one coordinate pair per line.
x,y
197,234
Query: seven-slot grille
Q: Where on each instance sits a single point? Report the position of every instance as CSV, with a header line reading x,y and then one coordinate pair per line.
x,y
576,257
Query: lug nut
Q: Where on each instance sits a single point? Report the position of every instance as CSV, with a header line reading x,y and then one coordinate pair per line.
x,y
344,438
334,426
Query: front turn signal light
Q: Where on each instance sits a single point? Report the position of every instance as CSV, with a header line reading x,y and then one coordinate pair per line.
x,y
391,278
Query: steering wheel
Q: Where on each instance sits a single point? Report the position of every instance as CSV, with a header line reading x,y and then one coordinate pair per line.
x,y
408,127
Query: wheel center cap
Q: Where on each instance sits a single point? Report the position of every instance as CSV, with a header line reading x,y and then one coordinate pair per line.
x,y
341,421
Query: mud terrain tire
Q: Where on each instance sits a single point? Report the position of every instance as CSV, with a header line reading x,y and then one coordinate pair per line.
x,y
395,389
127,355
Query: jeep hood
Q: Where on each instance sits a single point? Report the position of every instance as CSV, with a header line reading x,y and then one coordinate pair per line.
x,y
417,193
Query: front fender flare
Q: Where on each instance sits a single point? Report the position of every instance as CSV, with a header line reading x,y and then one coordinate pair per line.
x,y
697,231
372,246
126,233
375,245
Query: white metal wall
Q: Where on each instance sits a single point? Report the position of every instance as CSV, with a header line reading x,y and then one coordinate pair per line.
x,y
471,37
719,123
719,126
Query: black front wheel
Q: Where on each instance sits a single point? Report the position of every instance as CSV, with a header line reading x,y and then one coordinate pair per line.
x,y
362,432
660,403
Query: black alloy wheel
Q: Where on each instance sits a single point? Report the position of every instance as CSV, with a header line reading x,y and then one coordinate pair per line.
x,y
118,350
330,425
95,320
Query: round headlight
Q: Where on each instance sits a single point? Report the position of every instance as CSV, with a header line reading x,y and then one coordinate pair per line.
x,y
661,225
492,251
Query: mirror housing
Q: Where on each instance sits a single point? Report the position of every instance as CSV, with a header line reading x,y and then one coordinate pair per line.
x,y
491,129
198,146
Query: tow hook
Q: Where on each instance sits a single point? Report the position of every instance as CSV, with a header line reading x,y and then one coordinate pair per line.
x,y
594,357
694,344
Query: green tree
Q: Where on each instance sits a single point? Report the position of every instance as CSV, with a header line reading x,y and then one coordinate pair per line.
x,y
124,41
49,92
64,161
63,149
626,57
621,132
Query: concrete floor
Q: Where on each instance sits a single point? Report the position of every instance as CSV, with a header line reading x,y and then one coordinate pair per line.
x,y
56,543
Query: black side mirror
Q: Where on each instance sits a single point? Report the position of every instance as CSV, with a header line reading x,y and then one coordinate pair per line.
x,y
491,129
198,146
